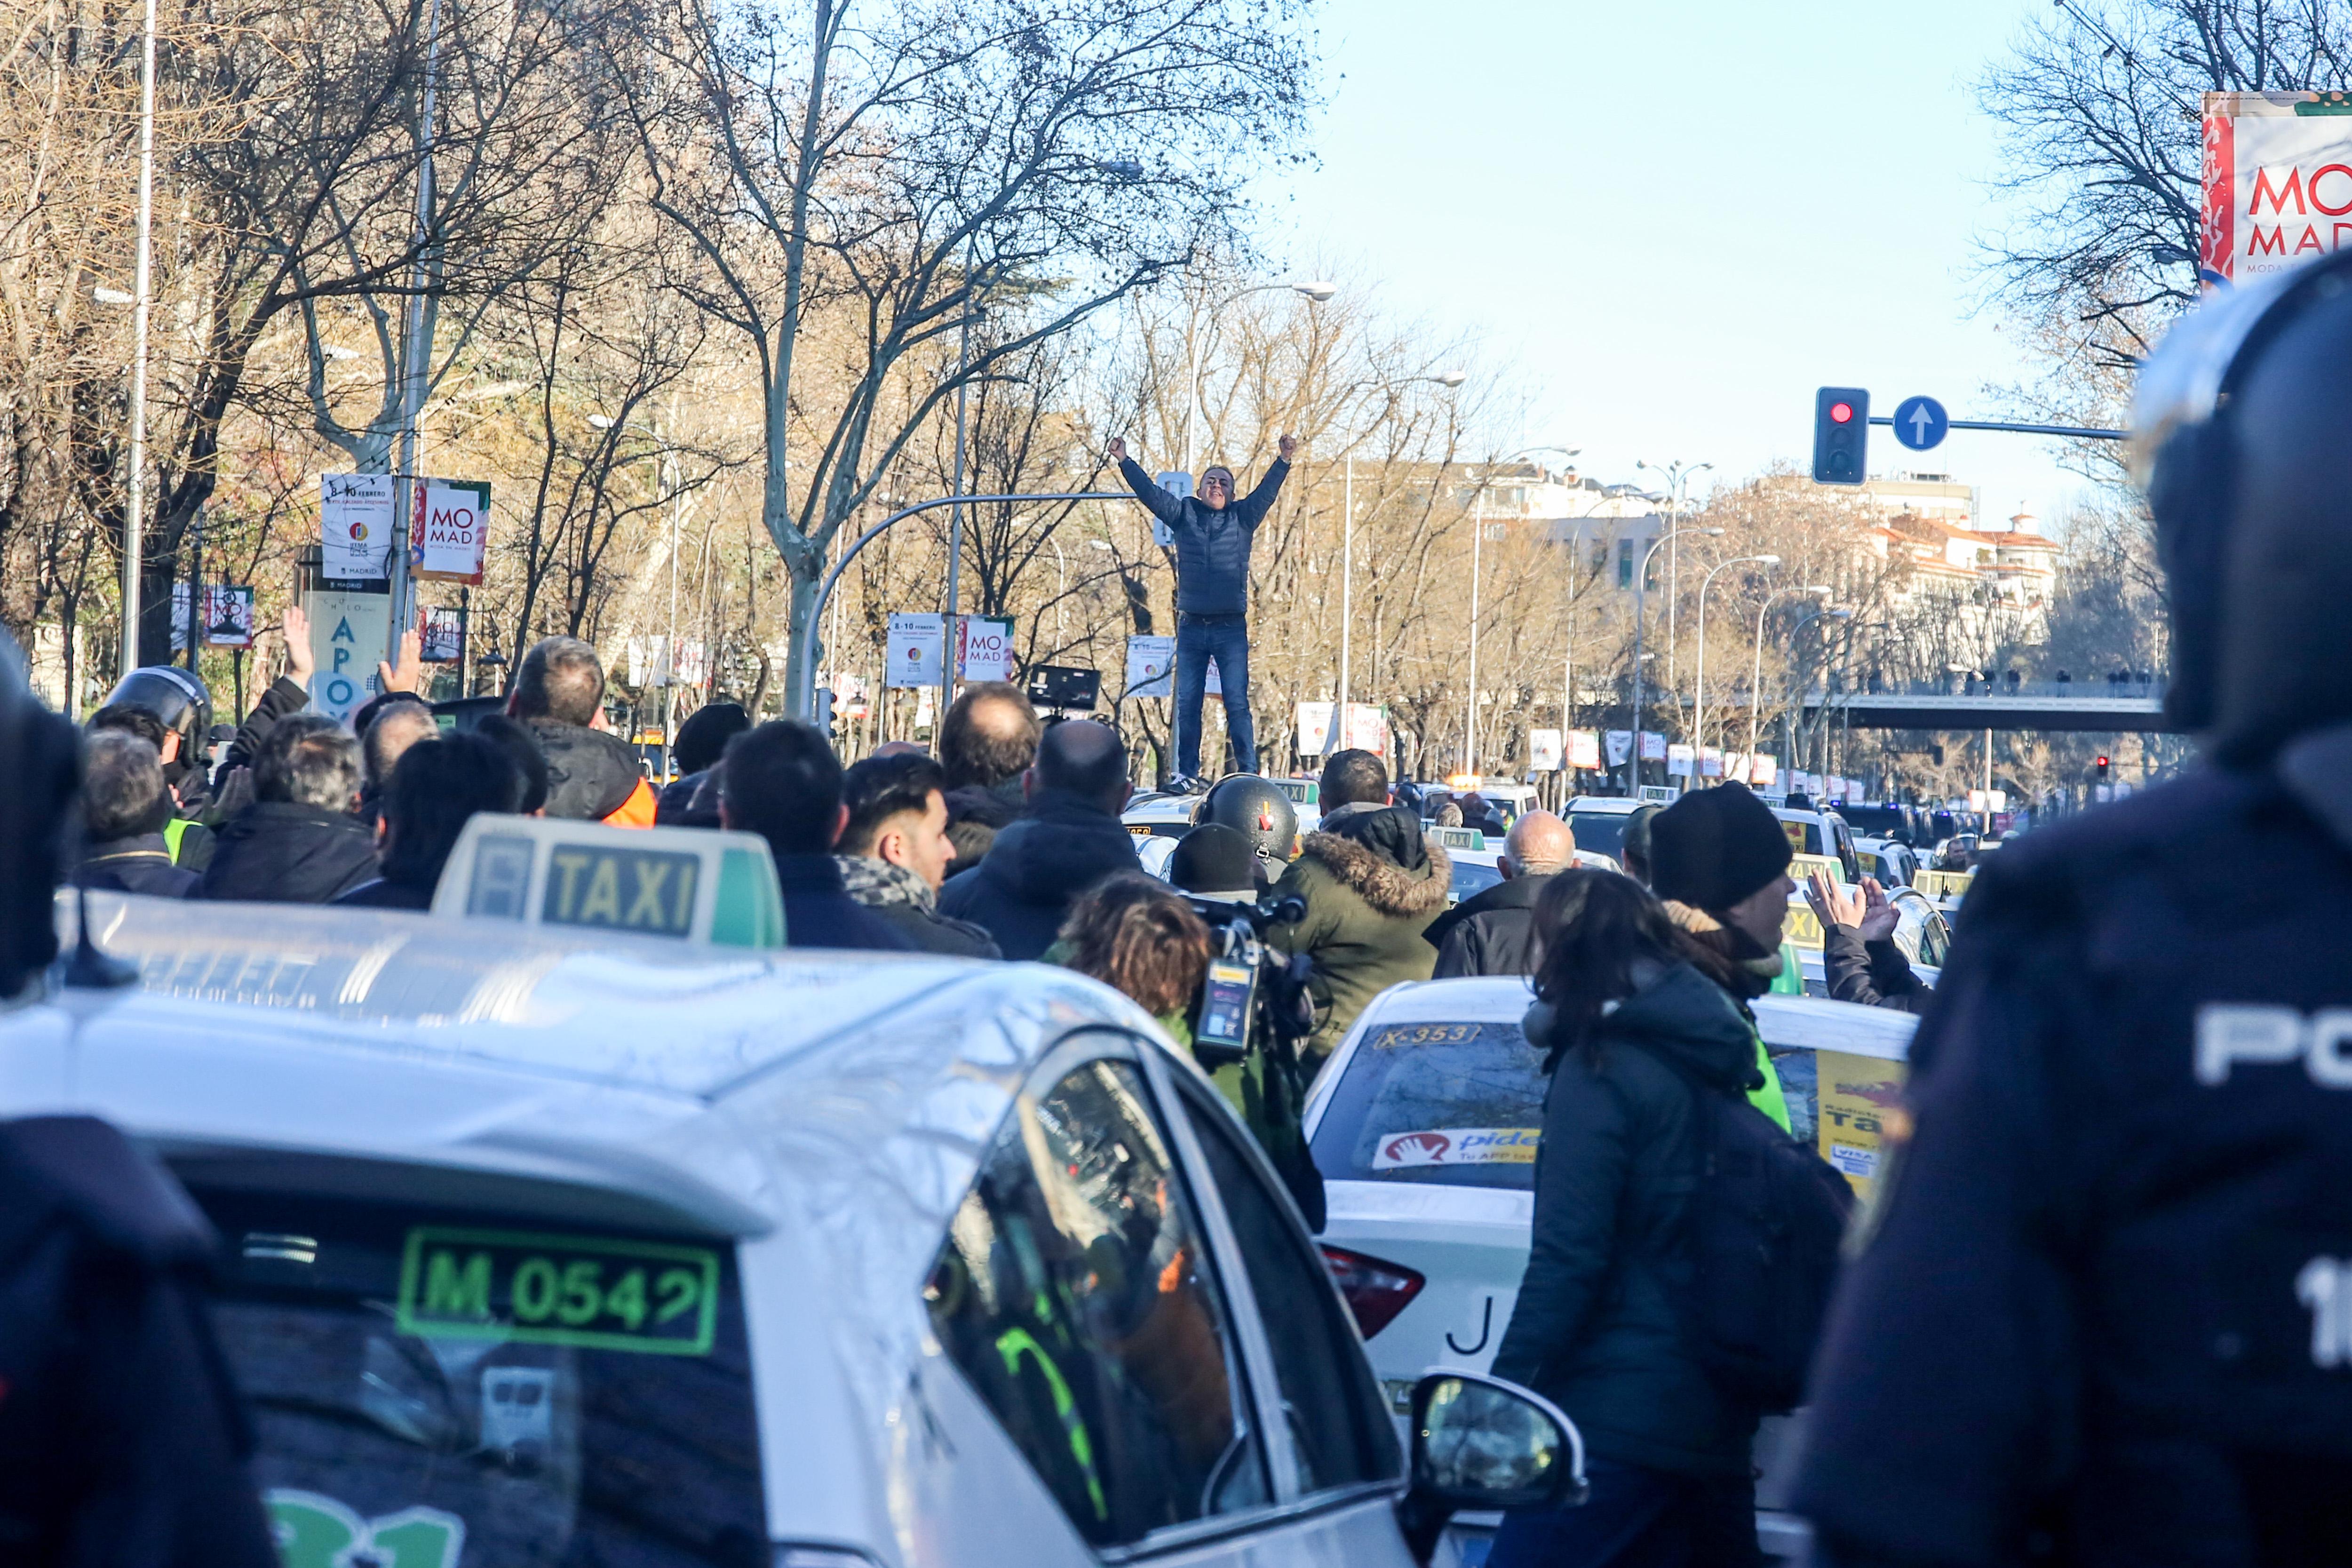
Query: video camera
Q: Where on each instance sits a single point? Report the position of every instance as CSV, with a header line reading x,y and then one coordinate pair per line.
x,y
1249,991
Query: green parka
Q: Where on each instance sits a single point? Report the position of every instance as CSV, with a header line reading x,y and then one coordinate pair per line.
x,y
1362,934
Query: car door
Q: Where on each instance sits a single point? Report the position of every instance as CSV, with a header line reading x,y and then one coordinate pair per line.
x,y
1091,1292
1339,1466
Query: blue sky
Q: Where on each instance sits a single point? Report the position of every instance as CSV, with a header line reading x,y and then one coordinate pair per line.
x,y
1674,219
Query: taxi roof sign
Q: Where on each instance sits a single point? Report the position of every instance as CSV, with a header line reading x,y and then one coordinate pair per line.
x,y
1457,838
687,883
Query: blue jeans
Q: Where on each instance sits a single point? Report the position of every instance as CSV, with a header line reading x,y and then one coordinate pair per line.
x,y
1637,1518
1225,639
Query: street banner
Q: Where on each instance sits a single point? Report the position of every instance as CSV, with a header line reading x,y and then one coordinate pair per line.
x,y
986,651
1679,761
1620,746
2277,182
349,633
356,513
1584,749
1314,726
445,634
1762,769
1367,729
916,639
1543,751
1653,746
227,617
1710,762
450,530
1150,666
1735,766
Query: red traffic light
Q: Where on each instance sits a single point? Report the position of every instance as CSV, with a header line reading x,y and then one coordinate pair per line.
x,y
2103,761
1840,413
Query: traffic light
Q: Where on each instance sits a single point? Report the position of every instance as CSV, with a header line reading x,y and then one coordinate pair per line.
x,y
1841,435
2103,770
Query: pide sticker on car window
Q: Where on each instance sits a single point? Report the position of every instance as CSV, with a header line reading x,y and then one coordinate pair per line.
x,y
1457,1146
518,1286
314,1531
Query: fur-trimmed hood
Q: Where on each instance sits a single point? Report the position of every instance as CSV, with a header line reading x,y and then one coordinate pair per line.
x,y
1387,887
1728,957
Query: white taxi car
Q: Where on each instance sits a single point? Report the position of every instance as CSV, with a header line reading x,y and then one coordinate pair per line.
x,y
1425,1125
563,1246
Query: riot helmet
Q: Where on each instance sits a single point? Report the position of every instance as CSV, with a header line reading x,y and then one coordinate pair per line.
x,y
2238,424
179,701
1257,808
40,775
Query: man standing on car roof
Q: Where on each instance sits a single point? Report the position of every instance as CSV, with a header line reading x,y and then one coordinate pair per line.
x,y
2104,1313
1214,532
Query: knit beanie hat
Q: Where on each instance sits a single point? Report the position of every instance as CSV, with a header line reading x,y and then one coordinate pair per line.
x,y
1214,861
1715,846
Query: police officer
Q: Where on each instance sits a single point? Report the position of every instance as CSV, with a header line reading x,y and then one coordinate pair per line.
x,y
122,1444
2104,1313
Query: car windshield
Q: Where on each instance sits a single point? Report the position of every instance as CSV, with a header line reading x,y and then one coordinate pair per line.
x,y
1458,1104
1471,878
1876,821
1600,832
430,1386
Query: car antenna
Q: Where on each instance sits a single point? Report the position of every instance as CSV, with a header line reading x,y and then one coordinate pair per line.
x,y
91,968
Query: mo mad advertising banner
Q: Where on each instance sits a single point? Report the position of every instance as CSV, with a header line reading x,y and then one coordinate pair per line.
x,y
2277,171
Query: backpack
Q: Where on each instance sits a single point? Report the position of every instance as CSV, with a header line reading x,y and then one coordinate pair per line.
x,y
1767,1220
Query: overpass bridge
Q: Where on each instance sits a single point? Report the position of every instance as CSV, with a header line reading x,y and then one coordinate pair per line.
x,y
2136,707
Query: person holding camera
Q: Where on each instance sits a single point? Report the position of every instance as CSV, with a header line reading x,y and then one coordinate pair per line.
x,y
1214,532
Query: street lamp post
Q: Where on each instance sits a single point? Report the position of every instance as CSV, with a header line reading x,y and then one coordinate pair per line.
x,y
1315,294
1448,379
1477,542
1755,676
1641,583
1678,474
1802,622
1698,697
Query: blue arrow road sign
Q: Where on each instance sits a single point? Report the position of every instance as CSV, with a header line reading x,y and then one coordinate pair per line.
x,y
1921,423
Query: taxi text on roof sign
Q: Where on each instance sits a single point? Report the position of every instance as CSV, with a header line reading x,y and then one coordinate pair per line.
x,y
686,883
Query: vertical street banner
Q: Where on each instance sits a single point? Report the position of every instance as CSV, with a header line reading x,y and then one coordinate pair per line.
x,y
445,634
987,651
1313,723
1653,746
1762,769
1543,751
1584,749
226,617
917,640
1366,730
356,514
1620,746
2277,174
449,531
1680,759
1150,666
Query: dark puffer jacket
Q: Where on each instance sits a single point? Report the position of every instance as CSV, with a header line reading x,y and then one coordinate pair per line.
x,y
1213,546
589,774
1035,870
140,864
1599,1324
906,903
1370,896
276,852
1493,933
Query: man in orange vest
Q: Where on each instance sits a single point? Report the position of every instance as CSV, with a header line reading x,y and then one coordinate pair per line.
x,y
592,775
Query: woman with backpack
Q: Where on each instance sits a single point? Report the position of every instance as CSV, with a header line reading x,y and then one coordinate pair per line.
x,y
1646,1056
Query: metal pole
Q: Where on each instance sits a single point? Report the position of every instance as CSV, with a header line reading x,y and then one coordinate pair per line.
x,y
416,347
1641,576
668,504
1347,598
1478,540
134,519
801,701
195,587
950,648
1699,694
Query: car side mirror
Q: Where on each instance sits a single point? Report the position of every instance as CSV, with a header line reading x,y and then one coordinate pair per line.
x,y
1479,1442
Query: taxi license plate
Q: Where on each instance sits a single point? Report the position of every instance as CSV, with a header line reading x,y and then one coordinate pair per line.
x,y
519,1287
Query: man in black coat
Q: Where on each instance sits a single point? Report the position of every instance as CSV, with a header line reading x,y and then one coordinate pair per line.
x,y
592,775
300,841
894,852
1494,932
781,780
2101,1313
1070,839
124,805
1214,532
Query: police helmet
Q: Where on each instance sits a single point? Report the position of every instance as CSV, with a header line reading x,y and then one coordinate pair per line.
x,y
2238,424
40,775
1258,808
179,701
